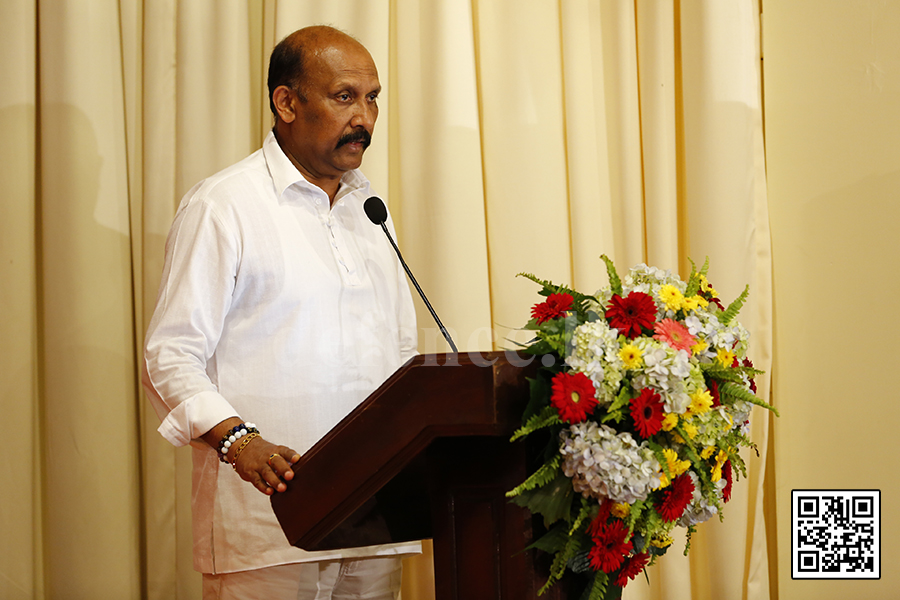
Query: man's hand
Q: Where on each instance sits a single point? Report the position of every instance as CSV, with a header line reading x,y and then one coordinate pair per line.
x,y
262,463
266,465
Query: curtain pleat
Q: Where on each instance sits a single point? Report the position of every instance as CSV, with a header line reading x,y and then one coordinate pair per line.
x,y
508,140
21,552
86,327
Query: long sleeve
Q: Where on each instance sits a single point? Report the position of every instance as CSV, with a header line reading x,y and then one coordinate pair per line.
x,y
194,299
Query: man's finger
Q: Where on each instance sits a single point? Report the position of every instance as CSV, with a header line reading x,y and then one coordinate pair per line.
x,y
271,478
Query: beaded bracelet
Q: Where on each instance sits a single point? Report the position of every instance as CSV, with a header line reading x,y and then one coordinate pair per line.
x,y
247,439
236,433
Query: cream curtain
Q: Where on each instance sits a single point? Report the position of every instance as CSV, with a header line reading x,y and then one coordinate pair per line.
x,y
514,136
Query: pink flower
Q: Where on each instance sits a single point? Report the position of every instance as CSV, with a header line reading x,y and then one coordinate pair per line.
x,y
675,334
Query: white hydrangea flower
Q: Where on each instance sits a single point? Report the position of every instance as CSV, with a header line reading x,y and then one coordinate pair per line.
x,y
604,464
711,425
700,510
595,353
666,371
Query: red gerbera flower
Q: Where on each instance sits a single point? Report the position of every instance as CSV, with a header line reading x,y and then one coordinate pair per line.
x,y
713,387
676,498
573,396
749,363
726,473
556,305
632,568
631,314
647,412
602,517
610,547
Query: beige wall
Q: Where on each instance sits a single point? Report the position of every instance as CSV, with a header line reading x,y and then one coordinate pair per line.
x,y
832,106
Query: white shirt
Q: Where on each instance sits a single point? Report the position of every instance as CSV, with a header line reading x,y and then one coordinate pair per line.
x,y
278,309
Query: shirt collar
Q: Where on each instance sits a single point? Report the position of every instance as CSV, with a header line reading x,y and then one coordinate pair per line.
x,y
285,174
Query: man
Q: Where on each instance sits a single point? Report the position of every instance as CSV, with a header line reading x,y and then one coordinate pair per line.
x,y
282,306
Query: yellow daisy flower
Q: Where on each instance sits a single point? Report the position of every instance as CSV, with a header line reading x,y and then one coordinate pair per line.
x,y
699,347
676,467
701,402
694,302
706,287
620,510
690,429
726,357
669,421
707,452
716,473
671,297
631,355
661,540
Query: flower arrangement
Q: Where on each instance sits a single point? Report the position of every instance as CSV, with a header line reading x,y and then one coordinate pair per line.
x,y
646,401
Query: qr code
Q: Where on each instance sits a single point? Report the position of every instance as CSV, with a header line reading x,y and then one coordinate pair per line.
x,y
836,534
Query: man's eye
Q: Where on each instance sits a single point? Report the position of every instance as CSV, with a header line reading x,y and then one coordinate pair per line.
x,y
373,97
344,97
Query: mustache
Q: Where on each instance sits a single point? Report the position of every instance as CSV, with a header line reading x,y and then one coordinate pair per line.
x,y
360,135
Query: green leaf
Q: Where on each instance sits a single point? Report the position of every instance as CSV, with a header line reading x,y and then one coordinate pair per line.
x,y
587,510
615,284
561,560
598,587
624,398
538,396
552,541
547,417
715,370
539,478
693,284
691,530
739,392
616,410
552,501
734,308
581,562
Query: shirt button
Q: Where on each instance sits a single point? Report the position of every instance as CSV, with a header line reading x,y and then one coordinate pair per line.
x,y
318,202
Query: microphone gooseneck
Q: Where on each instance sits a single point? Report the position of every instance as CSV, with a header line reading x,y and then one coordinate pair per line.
x,y
377,213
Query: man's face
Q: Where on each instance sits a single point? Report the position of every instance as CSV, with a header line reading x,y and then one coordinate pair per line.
x,y
334,124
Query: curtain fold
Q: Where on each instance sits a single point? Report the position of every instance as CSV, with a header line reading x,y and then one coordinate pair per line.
x,y
21,553
86,327
508,140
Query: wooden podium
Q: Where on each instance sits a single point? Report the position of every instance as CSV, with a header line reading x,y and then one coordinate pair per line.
x,y
427,455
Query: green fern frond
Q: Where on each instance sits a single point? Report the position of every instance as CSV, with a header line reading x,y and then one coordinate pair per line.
x,y
737,392
693,284
704,270
616,410
623,398
734,308
539,478
547,417
548,287
584,513
691,530
598,587
615,284
716,371
558,567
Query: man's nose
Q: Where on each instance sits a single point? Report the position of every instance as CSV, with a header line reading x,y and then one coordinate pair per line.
x,y
365,114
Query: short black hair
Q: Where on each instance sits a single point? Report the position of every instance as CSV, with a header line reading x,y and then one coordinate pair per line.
x,y
285,68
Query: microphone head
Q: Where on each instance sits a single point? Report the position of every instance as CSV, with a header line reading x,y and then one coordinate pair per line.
x,y
375,210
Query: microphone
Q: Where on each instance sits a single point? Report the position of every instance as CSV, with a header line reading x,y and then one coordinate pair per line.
x,y
377,213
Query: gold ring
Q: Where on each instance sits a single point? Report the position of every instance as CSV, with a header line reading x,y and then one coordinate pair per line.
x,y
270,459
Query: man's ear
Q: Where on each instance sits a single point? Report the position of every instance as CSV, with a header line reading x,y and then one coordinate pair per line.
x,y
283,99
